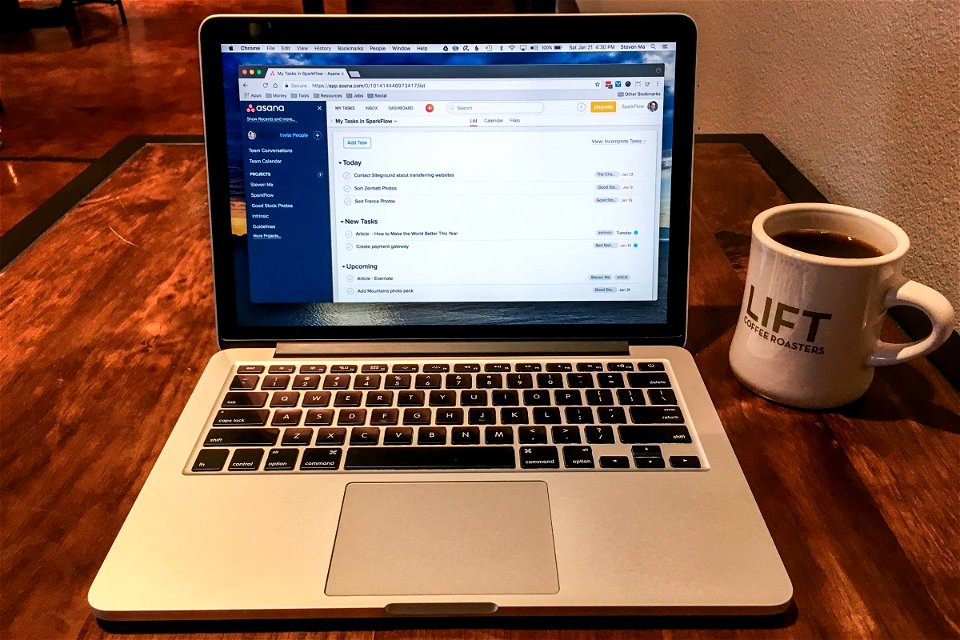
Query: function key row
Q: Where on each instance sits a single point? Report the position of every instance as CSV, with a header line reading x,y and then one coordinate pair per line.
x,y
490,367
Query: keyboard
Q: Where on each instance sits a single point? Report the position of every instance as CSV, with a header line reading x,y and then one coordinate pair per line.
x,y
519,415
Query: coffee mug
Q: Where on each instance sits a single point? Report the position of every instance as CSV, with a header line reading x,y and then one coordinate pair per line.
x,y
819,282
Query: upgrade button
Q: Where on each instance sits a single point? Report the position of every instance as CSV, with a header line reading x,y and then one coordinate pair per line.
x,y
603,106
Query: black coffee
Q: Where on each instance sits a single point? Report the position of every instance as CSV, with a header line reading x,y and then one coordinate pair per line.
x,y
827,243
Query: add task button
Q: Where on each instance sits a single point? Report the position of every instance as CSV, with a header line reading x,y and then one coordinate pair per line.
x,y
603,106
356,143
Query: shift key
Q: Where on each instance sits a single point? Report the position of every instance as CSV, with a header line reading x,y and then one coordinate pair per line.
x,y
241,417
266,437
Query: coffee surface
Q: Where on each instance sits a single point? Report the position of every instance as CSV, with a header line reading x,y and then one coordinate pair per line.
x,y
827,243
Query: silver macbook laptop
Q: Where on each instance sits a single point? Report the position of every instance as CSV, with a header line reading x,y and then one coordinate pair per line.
x,y
450,258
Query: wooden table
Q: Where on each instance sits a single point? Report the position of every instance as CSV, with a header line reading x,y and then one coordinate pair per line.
x,y
107,322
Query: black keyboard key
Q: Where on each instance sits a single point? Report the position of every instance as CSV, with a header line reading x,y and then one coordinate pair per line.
x,y
645,380
589,366
245,460
265,436
384,417
427,381
436,368
244,382
519,381
397,381
599,397
514,415
349,417
497,367
559,366
578,458
343,368
578,415
296,437
498,435
579,380
405,368
685,462
614,462
459,381
286,417
325,459
489,380
417,416
482,416
662,396
398,436
316,399
630,397
332,437
210,460
549,380
443,398
611,415
410,399
528,367
282,368
536,397
275,382
369,381
281,460
565,435
656,415
546,415
568,396
450,416
465,435
649,463
374,368
539,458
364,436
532,435
650,366
646,451
250,368
321,417
244,399
432,435
654,434
426,458
241,417
313,368
619,366
347,398
599,434
473,398
466,368
285,399
608,380
379,399
505,398
336,381
306,382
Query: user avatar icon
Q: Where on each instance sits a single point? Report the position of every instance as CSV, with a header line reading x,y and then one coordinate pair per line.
x,y
653,106
252,135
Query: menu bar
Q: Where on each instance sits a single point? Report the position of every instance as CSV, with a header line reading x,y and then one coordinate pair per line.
x,y
459,47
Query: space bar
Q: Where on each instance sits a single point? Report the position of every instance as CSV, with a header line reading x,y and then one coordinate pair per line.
x,y
430,458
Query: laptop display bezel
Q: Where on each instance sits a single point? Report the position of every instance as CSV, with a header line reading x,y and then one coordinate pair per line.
x,y
218,30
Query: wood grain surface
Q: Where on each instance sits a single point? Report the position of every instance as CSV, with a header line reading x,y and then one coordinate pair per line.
x,y
107,321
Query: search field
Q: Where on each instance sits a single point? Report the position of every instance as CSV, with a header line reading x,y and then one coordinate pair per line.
x,y
486,107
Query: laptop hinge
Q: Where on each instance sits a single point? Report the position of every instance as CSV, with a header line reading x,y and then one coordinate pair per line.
x,y
468,349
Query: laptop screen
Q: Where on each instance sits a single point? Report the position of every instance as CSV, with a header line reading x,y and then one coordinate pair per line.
x,y
468,182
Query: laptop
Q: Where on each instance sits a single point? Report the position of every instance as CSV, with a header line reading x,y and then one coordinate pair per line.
x,y
450,260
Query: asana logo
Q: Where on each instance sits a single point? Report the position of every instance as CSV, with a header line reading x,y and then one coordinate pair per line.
x,y
264,107
250,108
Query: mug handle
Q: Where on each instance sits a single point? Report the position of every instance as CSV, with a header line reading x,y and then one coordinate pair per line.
x,y
932,303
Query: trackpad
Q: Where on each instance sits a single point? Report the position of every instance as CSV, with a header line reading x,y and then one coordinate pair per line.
x,y
435,538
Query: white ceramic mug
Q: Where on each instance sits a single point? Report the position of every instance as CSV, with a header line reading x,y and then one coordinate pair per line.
x,y
809,326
